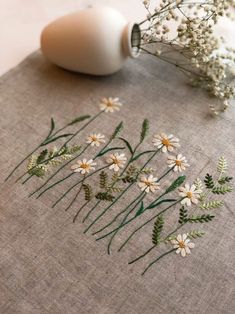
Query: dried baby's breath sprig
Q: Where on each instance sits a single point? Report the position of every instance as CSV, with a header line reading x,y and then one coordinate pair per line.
x,y
195,50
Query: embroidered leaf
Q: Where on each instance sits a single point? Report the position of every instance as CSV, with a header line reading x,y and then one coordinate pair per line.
x,y
209,181
88,191
147,170
128,145
203,218
140,210
103,179
108,150
195,234
183,215
143,153
222,189
160,202
131,174
199,185
52,128
225,179
117,131
222,165
79,119
114,189
73,149
144,131
175,184
104,196
211,205
32,162
158,226
42,156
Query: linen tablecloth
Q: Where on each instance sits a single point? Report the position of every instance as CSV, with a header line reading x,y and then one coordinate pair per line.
x,y
47,264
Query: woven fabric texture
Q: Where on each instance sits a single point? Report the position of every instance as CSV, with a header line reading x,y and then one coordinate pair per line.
x,y
47,264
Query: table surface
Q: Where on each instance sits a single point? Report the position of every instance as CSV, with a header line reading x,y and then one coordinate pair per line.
x,y
21,22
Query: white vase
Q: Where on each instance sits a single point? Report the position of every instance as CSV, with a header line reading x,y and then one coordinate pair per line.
x,y
94,41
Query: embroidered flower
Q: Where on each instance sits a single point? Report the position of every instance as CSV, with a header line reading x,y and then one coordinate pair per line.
x,y
190,194
148,184
110,104
95,139
116,161
84,166
179,162
183,245
166,142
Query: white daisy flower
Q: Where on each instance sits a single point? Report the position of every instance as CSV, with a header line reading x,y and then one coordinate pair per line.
x,y
148,184
116,161
182,244
179,162
190,194
95,139
110,104
165,142
84,166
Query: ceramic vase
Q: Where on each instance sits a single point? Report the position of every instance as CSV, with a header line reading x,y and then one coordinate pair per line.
x,y
93,41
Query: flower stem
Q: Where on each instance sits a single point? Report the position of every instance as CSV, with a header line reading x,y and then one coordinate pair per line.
x,y
156,260
124,219
143,255
75,197
57,182
144,224
75,217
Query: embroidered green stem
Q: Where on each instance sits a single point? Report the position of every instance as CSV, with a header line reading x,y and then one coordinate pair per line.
x,y
80,209
156,260
124,223
124,219
144,224
119,214
76,195
143,255
78,182
123,192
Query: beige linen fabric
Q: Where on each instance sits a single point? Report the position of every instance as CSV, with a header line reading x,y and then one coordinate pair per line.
x,y
47,264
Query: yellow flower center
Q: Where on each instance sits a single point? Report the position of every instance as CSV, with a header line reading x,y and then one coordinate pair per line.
x,y
94,138
166,142
109,104
148,183
178,162
181,244
116,161
189,194
85,166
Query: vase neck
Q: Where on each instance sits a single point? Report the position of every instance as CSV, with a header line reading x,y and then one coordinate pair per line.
x,y
131,39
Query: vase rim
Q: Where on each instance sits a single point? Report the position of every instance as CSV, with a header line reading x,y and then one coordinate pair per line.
x,y
131,40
